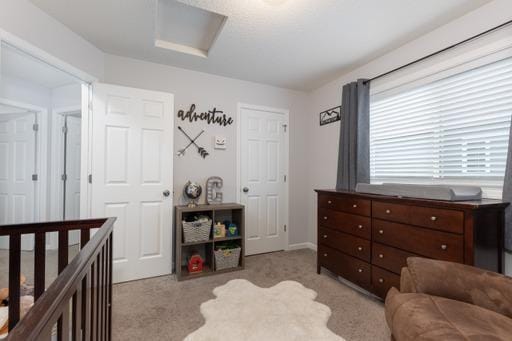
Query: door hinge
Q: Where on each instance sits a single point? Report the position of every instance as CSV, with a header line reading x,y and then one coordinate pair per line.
x,y
89,178
35,127
64,177
284,228
285,178
285,126
34,177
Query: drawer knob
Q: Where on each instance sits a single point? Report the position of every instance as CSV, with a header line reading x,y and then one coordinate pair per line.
x,y
388,211
325,218
381,280
325,254
381,255
359,248
381,231
354,206
359,270
329,202
360,226
325,236
433,218
444,247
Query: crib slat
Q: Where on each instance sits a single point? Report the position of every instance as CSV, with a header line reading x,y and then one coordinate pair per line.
x,y
14,279
63,250
63,325
94,306
39,264
76,311
98,295
105,282
110,264
101,288
63,321
86,307
85,236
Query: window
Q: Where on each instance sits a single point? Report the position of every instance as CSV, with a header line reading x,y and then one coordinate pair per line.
x,y
449,131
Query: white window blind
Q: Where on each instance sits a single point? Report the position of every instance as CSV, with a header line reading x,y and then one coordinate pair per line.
x,y
454,130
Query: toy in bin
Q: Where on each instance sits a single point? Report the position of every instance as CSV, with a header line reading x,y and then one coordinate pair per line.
x,y
232,230
195,263
219,230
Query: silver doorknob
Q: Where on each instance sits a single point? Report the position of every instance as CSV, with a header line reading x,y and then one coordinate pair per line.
x,y
166,193
245,189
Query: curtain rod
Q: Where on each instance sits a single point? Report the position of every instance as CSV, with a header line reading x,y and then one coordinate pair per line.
x,y
441,51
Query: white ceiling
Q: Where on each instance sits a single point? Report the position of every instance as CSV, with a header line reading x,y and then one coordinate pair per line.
x,y
19,65
297,44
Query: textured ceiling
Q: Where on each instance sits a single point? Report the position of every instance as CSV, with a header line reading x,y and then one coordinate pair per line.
x,y
297,44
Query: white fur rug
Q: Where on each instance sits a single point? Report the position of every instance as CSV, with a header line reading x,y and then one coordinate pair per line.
x,y
245,312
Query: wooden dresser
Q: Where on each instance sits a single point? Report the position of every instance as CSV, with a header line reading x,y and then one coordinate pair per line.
x,y
366,238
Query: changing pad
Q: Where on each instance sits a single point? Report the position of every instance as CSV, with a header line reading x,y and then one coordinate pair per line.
x,y
435,192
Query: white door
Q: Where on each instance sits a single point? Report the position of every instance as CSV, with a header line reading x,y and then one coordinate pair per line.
x,y
73,141
263,169
17,165
132,155
72,164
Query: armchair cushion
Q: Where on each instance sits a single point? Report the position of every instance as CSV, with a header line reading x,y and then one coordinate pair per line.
x,y
459,282
421,317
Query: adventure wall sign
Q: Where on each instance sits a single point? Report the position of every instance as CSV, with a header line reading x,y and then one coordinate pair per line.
x,y
213,116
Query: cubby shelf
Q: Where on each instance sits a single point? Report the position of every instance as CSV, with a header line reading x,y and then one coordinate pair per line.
x,y
216,240
220,212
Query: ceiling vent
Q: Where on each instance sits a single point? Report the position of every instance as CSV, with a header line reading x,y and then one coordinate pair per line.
x,y
186,29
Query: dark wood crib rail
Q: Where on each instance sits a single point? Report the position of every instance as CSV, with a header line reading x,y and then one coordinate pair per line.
x,y
79,301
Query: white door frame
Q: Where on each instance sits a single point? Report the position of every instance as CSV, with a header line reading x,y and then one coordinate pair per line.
x,y
57,156
86,78
286,114
41,200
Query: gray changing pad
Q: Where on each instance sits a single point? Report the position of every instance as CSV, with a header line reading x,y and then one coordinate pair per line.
x,y
435,192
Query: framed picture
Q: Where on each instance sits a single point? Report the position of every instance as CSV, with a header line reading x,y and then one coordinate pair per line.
x,y
330,115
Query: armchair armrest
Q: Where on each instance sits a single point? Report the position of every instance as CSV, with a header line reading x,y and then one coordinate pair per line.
x,y
460,282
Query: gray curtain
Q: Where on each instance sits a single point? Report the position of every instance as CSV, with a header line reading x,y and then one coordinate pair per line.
x,y
354,144
507,195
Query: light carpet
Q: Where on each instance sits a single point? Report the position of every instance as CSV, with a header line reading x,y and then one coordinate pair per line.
x,y
244,311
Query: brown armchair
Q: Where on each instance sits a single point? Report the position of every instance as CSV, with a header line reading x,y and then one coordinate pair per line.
x,y
449,301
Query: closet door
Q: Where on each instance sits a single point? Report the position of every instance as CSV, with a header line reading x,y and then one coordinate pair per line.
x,y
132,152
17,165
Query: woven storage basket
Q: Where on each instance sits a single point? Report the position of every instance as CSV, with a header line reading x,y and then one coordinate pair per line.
x,y
227,259
196,231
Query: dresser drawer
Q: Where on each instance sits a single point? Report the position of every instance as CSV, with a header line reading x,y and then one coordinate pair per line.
x,y
348,267
390,258
354,246
346,204
425,242
439,219
393,212
345,222
383,280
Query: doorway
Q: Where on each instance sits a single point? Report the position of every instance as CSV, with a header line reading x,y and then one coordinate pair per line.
x,y
22,152
263,171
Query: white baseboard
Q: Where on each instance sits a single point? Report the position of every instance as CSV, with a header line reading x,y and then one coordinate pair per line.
x,y
299,246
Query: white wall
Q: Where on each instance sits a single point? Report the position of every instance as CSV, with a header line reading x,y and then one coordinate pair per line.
x,y
24,20
19,90
326,138
209,91
67,96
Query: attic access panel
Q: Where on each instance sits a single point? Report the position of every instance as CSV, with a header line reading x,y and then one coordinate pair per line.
x,y
186,29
